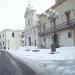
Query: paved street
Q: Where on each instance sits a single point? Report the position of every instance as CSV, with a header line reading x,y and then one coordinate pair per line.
x,y
11,66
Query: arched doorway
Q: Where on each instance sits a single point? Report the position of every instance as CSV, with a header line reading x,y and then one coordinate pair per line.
x,y
29,41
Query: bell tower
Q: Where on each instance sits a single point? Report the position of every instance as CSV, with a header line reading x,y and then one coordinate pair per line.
x,y
29,4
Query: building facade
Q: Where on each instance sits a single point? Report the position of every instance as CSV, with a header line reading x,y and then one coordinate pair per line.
x,y
31,29
10,39
59,29
23,39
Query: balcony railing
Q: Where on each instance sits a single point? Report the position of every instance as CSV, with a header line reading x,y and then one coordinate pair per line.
x,y
57,28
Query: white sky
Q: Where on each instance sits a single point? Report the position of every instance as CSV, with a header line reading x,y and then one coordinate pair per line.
x,y
12,12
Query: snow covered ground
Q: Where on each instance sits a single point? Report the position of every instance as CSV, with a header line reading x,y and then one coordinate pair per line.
x,y
34,53
45,63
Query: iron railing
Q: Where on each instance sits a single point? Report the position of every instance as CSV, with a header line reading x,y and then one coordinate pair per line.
x,y
57,28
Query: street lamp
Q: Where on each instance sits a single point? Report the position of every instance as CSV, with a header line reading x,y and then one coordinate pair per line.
x,y
52,16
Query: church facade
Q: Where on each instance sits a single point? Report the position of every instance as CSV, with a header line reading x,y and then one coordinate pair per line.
x,y
31,29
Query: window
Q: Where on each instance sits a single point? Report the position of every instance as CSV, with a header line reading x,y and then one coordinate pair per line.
x,y
67,13
34,32
0,43
3,42
3,35
22,36
28,22
12,34
22,41
4,47
22,33
25,43
44,39
43,27
69,34
0,36
35,42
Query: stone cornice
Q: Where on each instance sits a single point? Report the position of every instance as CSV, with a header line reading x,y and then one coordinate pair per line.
x,y
57,4
53,7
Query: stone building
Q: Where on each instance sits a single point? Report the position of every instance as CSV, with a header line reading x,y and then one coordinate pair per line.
x,y
31,29
10,39
23,39
58,29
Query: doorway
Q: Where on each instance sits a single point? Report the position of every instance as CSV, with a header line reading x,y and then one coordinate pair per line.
x,y
29,41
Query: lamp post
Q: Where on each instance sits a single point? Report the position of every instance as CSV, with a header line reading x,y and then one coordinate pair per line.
x,y
52,16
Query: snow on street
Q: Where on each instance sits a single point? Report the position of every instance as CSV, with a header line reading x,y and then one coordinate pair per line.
x,y
44,63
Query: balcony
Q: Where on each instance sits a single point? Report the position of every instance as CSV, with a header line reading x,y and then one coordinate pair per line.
x,y
57,28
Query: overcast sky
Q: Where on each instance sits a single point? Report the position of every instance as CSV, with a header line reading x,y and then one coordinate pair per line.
x,y
12,12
